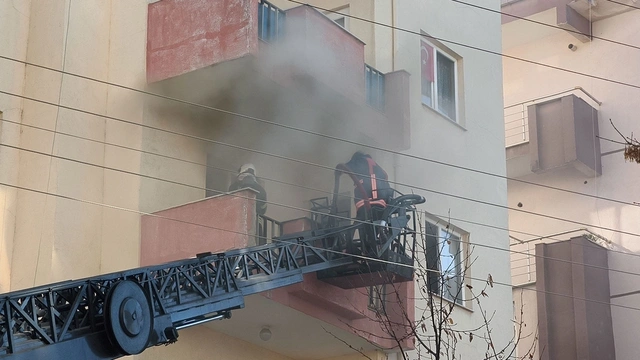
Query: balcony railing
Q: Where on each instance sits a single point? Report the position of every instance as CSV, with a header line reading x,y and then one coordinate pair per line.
x,y
516,116
270,22
267,229
516,124
320,213
374,87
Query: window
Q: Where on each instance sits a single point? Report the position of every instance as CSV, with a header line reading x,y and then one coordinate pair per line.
x,y
445,261
377,297
339,16
439,80
270,22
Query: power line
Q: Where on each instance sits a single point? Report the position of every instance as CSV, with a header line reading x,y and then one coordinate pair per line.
x,y
548,25
382,149
231,171
280,204
321,166
304,245
55,126
492,52
289,127
447,217
623,4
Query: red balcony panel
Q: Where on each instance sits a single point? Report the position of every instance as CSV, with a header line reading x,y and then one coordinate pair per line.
x,y
214,224
326,51
188,35
193,44
346,309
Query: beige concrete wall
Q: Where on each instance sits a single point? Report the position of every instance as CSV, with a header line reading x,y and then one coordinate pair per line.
x,y
57,239
373,355
476,141
14,29
526,81
61,238
203,343
624,293
44,46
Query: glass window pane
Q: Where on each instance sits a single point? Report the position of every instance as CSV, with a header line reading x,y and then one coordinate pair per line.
x,y
446,86
433,264
427,73
451,266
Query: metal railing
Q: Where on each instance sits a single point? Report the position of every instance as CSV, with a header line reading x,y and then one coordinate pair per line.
x,y
516,116
523,267
173,296
267,229
374,87
320,214
523,257
270,22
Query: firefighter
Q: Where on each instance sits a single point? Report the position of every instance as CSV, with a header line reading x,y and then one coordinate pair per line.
x,y
247,179
375,187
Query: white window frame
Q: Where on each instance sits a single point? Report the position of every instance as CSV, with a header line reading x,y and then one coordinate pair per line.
x,y
377,297
444,228
434,85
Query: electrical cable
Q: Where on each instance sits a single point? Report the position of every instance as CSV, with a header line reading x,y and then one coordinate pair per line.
x,y
623,4
289,127
448,217
548,25
308,246
55,126
447,164
280,204
472,47
321,166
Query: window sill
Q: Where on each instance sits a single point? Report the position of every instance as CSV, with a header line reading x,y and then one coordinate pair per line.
x,y
440,114
464,307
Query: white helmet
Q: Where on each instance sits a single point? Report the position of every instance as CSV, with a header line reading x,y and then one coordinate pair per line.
x,y
247,168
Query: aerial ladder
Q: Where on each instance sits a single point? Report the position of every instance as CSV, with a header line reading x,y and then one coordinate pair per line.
x,y
123,313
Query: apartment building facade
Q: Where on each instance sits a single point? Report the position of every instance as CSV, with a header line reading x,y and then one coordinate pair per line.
x,y
562,107
91,163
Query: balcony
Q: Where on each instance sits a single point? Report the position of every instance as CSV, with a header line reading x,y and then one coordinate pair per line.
x,y
553,131
224,222
374,87
256,58
575,16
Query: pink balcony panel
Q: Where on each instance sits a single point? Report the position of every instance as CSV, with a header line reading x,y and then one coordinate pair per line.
x,y
214,224
346,309
188,35
326,51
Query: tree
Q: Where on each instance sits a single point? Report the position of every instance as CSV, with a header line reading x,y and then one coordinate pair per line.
x,y
631,145
433,332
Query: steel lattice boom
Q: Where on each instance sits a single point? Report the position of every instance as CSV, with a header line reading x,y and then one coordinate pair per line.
x,y
123,313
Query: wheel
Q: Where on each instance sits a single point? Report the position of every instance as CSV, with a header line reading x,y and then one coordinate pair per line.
x,y
128,317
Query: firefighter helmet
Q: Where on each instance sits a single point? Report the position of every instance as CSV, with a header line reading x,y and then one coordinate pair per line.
x,y
247,168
